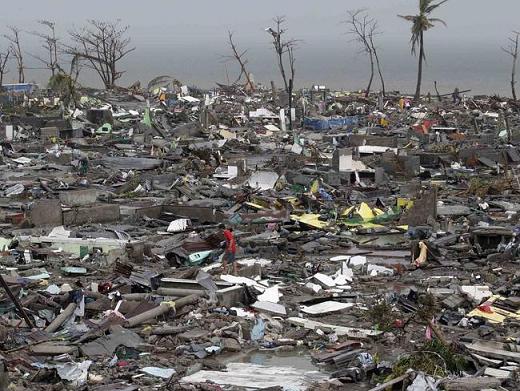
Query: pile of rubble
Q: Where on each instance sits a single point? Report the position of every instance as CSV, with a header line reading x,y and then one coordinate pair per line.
x,y
377,241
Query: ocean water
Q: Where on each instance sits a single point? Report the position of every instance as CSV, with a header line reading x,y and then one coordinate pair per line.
x,y
483,69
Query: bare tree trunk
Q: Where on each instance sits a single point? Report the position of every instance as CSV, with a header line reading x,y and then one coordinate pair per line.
x,y
417,95
3,65
282,70
378,64
21,67
16,50
513,72
513,82
282,47
19,59
239,57
113,75
291,82
363,28
371,57
49,42
437,91
512,50
55,65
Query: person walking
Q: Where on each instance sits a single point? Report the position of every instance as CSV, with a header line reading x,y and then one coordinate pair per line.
x,y
230,252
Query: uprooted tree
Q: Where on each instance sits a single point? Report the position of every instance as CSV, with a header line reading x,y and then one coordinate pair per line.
x,y
364,28
102,45
512,50
15,48
239,57
284,49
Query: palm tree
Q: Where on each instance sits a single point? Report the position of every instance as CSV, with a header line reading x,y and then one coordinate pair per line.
x,y
421,23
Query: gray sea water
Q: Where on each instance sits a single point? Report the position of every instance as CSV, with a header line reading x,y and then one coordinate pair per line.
x,y
484,69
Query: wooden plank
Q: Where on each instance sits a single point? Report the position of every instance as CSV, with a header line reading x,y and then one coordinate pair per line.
x,y
486,360
397,380
498,373
471,383
489,351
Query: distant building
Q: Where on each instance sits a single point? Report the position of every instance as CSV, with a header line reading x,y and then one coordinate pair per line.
x,y
20,88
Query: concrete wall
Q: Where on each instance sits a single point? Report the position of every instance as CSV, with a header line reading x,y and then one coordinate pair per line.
x,y
103,213
79,197
46,213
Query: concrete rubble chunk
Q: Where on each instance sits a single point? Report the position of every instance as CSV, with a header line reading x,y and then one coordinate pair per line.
x,y
326,307
230,345
270,308
325,281
106,346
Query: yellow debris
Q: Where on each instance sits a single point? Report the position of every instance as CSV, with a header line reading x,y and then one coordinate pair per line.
x,y
498,315
378,212
253,205
404,203
347,211
315,187
311,220
365,212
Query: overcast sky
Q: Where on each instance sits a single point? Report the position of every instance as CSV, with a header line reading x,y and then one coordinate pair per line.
x,y
187,38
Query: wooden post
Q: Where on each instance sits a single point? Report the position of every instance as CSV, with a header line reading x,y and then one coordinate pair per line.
x,y
16,302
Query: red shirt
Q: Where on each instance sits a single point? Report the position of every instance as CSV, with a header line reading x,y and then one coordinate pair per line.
x,y
231,245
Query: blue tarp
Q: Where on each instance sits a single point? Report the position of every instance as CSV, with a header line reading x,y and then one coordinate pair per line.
x,y
329,123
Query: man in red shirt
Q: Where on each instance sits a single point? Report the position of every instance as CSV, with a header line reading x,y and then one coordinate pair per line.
x,y
231,249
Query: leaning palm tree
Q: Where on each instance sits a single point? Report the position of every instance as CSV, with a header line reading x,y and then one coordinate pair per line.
x,y
421,23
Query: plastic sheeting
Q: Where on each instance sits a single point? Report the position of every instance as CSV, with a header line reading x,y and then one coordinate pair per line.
x,y
329,123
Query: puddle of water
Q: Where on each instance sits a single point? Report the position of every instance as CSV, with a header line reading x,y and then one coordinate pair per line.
x,y
299,359
294,359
